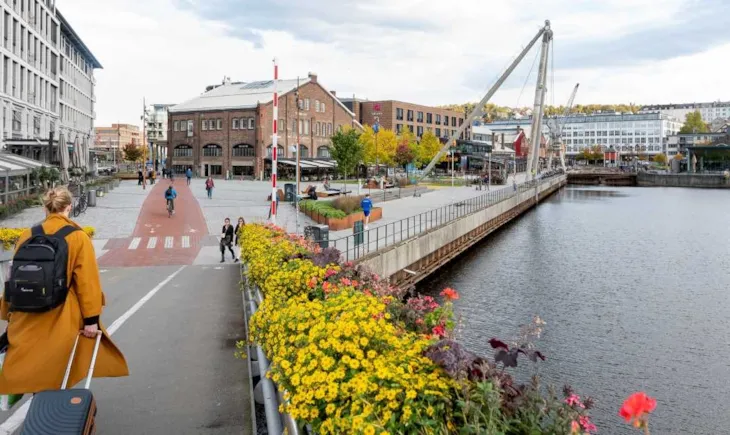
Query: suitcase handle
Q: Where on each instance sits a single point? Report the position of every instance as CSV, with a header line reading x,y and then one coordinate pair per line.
x,y
91,366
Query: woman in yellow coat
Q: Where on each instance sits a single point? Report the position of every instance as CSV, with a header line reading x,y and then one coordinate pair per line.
x,y
40,343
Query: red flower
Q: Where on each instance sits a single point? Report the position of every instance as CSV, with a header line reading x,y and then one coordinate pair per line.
x,y
587,424
419,321
367,293
326,287
312,282
574,400
450,294
574,427
345,281
355,283
439,331
330,272
636,408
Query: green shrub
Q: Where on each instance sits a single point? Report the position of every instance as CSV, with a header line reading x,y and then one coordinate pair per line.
x,y
323,208
17,205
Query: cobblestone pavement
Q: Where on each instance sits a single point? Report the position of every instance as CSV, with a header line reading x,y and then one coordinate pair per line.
x,y
115,214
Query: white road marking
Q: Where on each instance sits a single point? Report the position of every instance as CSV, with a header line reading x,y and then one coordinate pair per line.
x,y
17,418
135,243
168,242
152,243
193,230
186,241
103,270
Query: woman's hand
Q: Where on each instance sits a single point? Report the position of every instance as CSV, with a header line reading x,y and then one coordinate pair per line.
x,y
90,331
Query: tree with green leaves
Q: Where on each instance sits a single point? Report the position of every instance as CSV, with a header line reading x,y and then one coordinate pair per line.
x,y
347,150
693,123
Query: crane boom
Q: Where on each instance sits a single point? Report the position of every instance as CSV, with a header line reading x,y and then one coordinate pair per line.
x,y
479,109
568,107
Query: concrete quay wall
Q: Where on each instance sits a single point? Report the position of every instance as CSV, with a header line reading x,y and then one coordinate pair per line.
x,y
716,181
412,260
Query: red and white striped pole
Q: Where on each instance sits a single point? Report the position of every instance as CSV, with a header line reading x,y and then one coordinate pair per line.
x,y
274,146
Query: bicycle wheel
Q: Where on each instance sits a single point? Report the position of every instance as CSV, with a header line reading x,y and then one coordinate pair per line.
x,y
76,210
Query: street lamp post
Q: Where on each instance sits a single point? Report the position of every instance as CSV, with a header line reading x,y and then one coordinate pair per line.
x,y
376,129
295,149
489,176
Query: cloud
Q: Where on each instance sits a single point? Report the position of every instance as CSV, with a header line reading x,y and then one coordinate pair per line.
x,y
423,51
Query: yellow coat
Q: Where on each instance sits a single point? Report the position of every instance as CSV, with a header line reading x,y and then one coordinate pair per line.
x,y
41,343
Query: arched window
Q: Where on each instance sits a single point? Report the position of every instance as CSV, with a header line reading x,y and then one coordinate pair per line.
x,y
323,152
212,150
244,150
279,152
304,151
182,151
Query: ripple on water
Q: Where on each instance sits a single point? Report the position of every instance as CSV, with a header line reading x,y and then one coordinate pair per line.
x,y
633,284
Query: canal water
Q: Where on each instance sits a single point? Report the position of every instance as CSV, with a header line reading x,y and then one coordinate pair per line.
x,y
634,285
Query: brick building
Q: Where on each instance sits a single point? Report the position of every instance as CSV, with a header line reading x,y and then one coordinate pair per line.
x,y
228,129
393,115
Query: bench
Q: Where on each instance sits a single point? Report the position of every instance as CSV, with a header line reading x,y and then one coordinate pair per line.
x,y
328,193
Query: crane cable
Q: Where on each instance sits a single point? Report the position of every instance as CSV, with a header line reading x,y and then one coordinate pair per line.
x,y
537,53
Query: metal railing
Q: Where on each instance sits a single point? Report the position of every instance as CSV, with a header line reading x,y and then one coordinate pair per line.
x,y
360,244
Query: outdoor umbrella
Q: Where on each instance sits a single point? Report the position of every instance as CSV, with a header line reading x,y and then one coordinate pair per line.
x,y
63,156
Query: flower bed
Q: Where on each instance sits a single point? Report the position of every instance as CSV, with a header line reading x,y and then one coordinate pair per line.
x,y
323,212
8,236
352,357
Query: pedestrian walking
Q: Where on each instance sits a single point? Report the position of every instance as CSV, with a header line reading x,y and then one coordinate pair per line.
x,y
238,231
140,177
42,330
367,205
209,185
189,174
164,173
227,241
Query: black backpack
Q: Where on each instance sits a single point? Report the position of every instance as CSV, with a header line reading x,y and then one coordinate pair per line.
x,y
38,281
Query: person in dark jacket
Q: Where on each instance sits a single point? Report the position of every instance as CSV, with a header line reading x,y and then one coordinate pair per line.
x,y
227,241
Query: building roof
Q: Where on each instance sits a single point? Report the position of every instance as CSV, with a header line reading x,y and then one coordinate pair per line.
x,y
15,164
671,106
237,96
67,30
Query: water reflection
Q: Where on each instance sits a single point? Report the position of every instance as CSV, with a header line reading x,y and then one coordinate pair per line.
x,y
634,293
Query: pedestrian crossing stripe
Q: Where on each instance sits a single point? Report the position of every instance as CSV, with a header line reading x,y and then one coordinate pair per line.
x,y
186,241
134,243
152,243
169,242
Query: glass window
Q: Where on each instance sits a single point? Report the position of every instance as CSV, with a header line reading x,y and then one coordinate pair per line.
x,y
219,124
204,125
316,106
251,123
323,152
438,119
398,128
420,117
212,151
429,118
399,114
306,126
306,104
410,115
182,151
243,150
304,151
235,124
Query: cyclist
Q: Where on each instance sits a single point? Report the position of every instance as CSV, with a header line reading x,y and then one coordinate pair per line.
x,y
170,195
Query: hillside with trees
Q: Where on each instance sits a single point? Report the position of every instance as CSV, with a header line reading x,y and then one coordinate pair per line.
x,y
493,112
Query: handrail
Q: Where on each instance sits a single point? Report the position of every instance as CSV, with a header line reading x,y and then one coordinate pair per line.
x,y
380,237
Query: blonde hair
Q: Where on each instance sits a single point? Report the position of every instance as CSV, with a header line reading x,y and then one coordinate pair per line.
x,y
56,199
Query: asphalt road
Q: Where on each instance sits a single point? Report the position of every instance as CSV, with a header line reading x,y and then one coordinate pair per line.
x,y
184,378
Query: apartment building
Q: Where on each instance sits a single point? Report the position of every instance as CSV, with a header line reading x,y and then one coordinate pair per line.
x,y
46,81
631,134
76,87
228,129
116,137
709,111
29,71
395,115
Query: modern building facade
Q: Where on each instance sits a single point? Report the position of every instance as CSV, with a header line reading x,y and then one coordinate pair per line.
x,y
709,111
157,115
679,143
46,81
228,129
630,134
394,115
76,88
29,73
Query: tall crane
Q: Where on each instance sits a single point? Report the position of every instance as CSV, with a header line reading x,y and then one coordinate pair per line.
x,y
556,131
546,34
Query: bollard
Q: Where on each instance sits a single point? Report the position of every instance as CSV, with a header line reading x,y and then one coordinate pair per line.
x,y
91,197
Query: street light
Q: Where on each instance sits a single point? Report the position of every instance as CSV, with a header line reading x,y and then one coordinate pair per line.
x,y
295,151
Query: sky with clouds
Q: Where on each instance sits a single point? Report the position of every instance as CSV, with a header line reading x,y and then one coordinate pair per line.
x,y
423,51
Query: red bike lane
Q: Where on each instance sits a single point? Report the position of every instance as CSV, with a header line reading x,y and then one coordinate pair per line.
x,y
159,240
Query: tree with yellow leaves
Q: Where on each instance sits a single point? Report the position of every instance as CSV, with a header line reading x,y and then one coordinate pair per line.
x,y
387,142
429,146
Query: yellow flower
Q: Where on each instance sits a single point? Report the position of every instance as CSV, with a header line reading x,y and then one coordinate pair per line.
x,y
330,409
410,394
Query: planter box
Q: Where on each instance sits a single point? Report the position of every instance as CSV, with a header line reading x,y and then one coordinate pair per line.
x,y
346,222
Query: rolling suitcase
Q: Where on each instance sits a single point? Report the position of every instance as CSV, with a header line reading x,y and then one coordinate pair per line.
x,y
64,412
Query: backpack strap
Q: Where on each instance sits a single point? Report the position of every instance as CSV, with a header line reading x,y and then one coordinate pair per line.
x,y
65,231
37,231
